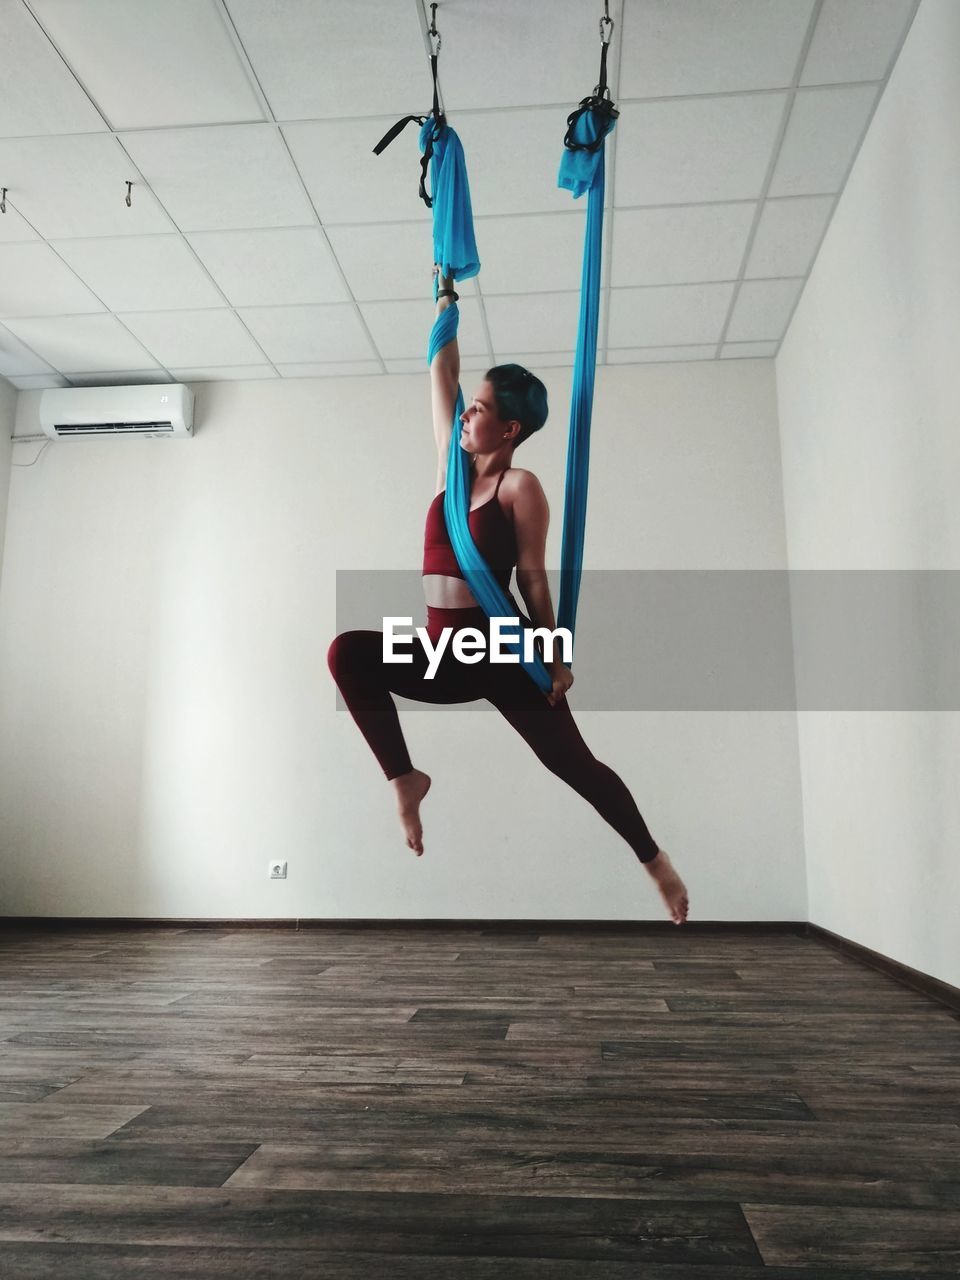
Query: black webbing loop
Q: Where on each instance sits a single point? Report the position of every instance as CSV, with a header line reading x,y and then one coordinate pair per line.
x,y
394,130
601,88
604,107
599,101
440,123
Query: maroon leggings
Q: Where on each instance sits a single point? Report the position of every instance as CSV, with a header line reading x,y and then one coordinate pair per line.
x,y
366,682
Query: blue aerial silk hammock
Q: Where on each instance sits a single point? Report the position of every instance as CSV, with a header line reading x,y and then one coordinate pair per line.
x,y
455,249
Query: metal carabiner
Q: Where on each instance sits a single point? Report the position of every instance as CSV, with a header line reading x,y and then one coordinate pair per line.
x,y
433,32
606,22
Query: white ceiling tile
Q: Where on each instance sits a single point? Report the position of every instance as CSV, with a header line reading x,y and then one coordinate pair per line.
x,y
717,47
82,343
13,227
689,151
227,373
855,40
658,355
402,329
37,92
38,381
513,159
141,273
671,315
787,236
825,129
474,364
194,338
348,183
313,58
147,64
409,365
748,350
225,176
532,254
271,267
119,378
534,360
535,322
34,282
335,369
762,309
16,359
680,245
503,54
468,364
77,186
390,262
301,335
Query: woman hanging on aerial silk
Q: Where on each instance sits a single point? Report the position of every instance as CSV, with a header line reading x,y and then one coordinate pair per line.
x,y
508,518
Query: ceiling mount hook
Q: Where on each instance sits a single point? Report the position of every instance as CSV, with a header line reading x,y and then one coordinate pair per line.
x,y
3,199
126,199
432,31
606,21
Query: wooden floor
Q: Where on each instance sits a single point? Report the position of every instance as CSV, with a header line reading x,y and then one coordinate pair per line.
x,y
462,1103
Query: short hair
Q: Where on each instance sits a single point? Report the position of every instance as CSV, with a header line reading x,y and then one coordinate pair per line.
x,y
519,394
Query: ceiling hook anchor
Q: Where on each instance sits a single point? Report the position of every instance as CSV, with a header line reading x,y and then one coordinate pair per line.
x,y
432,31
126,199
3,199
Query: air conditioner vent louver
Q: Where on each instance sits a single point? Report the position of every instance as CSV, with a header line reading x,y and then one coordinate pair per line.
x,y
97,428
159,409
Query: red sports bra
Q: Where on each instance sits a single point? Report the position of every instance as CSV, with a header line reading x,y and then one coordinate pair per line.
x,y
492,532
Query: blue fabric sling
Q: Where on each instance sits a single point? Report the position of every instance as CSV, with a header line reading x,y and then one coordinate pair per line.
x,y
581,170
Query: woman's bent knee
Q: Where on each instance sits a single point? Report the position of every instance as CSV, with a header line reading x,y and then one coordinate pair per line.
x,y
344,652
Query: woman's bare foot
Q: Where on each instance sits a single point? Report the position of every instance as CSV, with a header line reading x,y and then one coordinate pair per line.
x,y
411,788
672,889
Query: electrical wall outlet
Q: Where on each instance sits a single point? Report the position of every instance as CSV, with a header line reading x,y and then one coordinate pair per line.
x,y
278,871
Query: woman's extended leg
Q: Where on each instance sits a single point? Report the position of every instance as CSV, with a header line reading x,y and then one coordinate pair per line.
x,y
367,683
554,736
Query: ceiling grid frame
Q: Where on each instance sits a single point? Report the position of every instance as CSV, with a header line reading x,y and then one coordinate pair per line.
x,y
376,355
853,160
610,183
244,57
771,169
140,181
42,239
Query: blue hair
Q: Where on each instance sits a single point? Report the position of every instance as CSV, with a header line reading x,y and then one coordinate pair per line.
x,y
519,394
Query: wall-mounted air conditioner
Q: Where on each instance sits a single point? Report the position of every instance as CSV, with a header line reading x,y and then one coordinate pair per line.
x,y
159,409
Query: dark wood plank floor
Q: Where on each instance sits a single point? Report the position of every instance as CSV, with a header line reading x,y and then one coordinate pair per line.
x,y
547,1102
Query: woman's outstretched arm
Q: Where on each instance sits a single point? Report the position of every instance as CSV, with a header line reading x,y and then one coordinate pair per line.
x,y
444,381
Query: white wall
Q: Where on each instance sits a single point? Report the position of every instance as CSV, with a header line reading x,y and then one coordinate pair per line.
x,y
869,400
170,724
8,402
